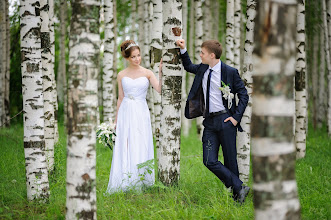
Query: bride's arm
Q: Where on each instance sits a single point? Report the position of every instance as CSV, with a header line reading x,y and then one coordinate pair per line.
x,y
157,84
120,94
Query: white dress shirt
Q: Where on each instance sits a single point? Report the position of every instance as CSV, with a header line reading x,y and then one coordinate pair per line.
x,y
215,94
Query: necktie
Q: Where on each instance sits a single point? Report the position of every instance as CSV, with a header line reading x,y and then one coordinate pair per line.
x,y
207,93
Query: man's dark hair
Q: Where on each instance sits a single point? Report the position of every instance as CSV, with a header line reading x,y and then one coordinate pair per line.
x,y
213,46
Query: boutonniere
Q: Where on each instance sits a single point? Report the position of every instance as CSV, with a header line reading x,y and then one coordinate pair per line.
x,y
227,93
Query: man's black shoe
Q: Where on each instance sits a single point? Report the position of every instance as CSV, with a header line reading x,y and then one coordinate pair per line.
x,y
241,195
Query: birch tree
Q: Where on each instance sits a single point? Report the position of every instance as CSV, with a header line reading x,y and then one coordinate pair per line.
x,y
62,75
2,61
237,35
169,161
109,107
133,19
320,112
244,138
52,74
229,40
7,76
156,55
47,71
83,110
185,121
198,24
328,63
273,150
300,84
33,106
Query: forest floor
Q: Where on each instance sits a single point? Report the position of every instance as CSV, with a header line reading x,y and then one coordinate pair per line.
x,y
199,194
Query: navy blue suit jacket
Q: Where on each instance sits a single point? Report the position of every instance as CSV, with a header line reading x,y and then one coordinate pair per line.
x,y
195,105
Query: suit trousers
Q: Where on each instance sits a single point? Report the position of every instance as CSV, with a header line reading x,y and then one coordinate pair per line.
x,y
216,133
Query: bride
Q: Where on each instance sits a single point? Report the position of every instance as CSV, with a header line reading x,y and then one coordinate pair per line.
x,y
134,140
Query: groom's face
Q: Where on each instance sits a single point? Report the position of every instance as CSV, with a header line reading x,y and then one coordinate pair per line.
x,y
205,56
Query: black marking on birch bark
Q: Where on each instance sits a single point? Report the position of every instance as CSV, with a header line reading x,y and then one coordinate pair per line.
x,y
32,67
273,85
34,32
279,167
34,144
260,198
173,21
84,190
173,85
86,214
165,39
155,56
277,127
159,42
300,80
45,40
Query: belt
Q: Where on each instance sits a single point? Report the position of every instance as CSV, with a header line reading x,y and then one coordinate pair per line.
x,y
212,114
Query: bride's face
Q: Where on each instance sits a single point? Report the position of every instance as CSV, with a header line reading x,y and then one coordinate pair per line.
x,y
135,58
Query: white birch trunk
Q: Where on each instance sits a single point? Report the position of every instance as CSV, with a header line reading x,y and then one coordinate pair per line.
x,y
109,108
47,83
244,138
197,49
300,85
140,21
185,121
83,110
52,74
273,149
33,106
156,55
206,20
229,39
328,64
237,34
169,161
321,80
115,55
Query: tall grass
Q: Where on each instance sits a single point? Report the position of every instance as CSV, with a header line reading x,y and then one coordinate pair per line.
x,y
199,194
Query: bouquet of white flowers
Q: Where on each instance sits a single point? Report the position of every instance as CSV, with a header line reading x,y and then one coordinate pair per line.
x,y
106,134
227,93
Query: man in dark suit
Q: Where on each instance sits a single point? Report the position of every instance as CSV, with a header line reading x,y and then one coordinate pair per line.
x,y
222,115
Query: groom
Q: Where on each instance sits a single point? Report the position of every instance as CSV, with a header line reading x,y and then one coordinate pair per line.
x,y
222,116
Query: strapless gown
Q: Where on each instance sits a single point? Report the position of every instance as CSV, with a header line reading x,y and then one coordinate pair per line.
x,y
134,139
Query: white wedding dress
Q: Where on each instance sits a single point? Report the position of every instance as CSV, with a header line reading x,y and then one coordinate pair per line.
x,y
134,140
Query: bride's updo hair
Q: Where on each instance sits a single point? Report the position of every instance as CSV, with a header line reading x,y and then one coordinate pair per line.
x,y
127,47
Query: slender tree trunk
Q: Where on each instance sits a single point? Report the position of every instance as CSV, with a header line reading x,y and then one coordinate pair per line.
x,y
237,34
244,138
83,110
206,20
46,60
328,63
140,21
33,101
198,41
108,62
7,76
273,150
300,84
52,74
133,19
315,79
115,55
321,86
229,32
2,62
169,161
185,121
215,18
62,75
156,55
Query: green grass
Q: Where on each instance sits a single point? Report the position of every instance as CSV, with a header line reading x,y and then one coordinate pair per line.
x,y
199,194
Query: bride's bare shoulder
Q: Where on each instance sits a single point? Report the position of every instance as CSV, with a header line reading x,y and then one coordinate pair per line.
x,y
121,74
